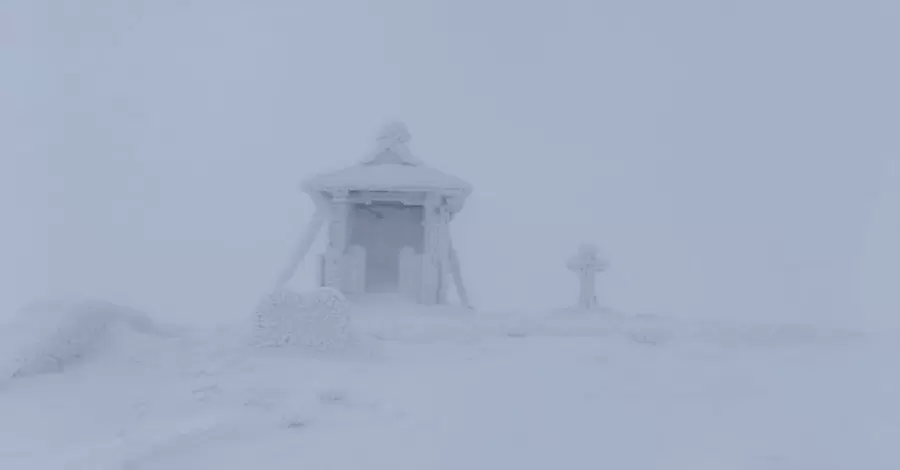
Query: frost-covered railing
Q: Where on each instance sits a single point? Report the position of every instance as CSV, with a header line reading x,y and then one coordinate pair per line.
x,y
353,269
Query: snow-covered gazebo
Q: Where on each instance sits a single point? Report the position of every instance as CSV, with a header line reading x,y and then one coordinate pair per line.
x,y
388,225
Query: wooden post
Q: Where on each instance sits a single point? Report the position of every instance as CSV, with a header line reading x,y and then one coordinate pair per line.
x,y
443,253
428,289
337,241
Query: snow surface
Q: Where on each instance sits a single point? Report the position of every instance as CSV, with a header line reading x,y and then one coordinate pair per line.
x,y
443,388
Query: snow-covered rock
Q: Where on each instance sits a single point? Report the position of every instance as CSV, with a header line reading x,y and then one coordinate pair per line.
x,y
315,322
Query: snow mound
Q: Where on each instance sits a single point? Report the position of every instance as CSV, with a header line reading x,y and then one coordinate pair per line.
x,y
316,322
53,335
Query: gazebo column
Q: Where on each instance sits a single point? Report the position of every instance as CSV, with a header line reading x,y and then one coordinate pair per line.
x,y
428,289
337,241
443,252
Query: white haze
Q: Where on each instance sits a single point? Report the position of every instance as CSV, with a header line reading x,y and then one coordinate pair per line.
x,y
736,160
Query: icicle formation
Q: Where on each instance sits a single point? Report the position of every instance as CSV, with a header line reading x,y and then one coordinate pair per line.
x,y
586,264
391,146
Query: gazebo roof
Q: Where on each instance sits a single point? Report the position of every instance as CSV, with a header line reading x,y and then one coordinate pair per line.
x,y
392,167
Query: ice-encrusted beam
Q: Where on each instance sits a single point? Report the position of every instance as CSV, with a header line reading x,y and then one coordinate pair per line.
x,y
301,249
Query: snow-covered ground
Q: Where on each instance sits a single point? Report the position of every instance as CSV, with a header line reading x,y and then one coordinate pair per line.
x,y
444,389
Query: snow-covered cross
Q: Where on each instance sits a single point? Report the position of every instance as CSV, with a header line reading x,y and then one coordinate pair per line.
x,y
586,264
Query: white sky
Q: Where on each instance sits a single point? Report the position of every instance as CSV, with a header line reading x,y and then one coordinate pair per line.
x,y
734,159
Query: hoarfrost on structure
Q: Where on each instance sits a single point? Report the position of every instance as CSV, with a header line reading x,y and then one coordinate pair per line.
x,y
586,264
317,321
386,220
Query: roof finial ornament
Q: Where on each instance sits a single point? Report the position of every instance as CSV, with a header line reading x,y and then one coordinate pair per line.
x,y
393,133
391,145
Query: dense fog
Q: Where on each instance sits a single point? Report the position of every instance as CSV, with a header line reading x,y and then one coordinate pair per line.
x,y
732,160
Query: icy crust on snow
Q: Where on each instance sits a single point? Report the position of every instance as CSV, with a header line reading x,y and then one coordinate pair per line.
x,y
53,336
452,389
416,324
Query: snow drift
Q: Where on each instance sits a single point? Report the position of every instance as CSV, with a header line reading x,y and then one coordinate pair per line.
x,y
53,335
